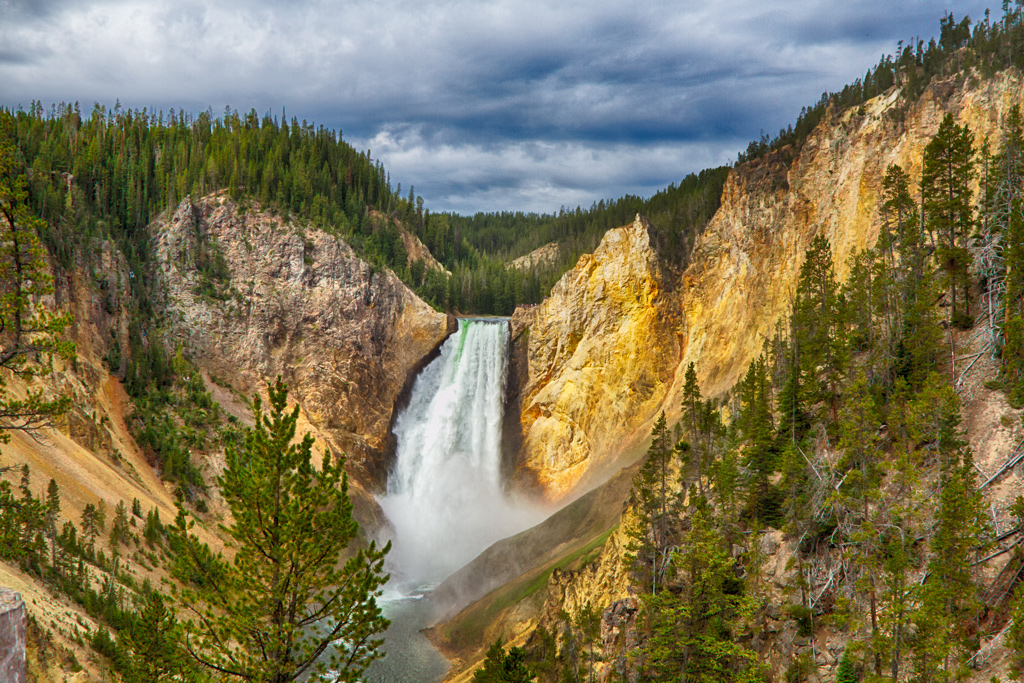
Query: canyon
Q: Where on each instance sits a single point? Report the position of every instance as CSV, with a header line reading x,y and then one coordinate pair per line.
x,y
590,368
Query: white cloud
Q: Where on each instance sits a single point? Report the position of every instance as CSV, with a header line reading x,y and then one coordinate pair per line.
x,y
607,84
534,175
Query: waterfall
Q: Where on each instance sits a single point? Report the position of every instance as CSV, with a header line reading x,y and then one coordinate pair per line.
x,y
445,499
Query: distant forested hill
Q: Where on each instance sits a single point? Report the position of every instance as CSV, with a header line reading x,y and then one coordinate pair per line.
x,y
478,249
107,174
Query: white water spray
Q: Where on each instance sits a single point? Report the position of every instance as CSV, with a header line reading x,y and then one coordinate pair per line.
x,y
445,498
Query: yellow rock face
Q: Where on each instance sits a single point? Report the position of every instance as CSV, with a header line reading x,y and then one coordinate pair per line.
x,y
744,269
609,347
602,352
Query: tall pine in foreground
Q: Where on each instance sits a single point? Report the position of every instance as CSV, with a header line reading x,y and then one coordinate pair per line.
x,y
818,321
1008,213
283,610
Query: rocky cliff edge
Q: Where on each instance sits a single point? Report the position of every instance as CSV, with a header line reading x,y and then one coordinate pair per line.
x,y
608,349
250,296
602,352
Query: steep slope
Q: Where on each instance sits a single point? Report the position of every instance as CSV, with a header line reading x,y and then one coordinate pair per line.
x,y
602,351
90,454
744,267
346,338
295,302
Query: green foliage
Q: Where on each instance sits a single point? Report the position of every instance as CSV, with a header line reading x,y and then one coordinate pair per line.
x,y
948,208
90,523
1007,217
30,334
692,415
695,623
504,667
283,609
102,643
1015,637
587,623
959,52
151,648
120,532
800,670
476,249
819,322
193,563
650,535
22,521
170,422
908,287
542,653
847,672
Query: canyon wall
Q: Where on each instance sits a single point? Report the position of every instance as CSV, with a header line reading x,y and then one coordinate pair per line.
x,y
294,301
718,314
602,350
608,349
248,297
745,266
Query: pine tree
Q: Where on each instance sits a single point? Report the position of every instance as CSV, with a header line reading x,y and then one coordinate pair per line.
x,y
946,196
847,672
30,334
859,493
949,596
692,412
793,419
649,535
90,526
152,646
587,622
52,512
504,667
898,214
1008,216
907,282
694,622
869,322
282,609
898,593
818,322
760,450
119,529
1015,638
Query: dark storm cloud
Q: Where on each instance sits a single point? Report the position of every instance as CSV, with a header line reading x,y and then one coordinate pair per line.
x,y
481,104
11,10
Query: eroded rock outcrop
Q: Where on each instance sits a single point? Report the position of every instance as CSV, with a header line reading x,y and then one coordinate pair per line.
x,y
250,297
602,353
541,256
12,637
740,283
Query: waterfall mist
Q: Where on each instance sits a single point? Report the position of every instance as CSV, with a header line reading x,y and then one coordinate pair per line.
x,y
445,498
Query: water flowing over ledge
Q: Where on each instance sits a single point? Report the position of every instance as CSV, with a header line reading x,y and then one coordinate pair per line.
x,y
445,498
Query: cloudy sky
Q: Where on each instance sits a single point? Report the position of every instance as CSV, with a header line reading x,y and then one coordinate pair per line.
x,y
482,105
